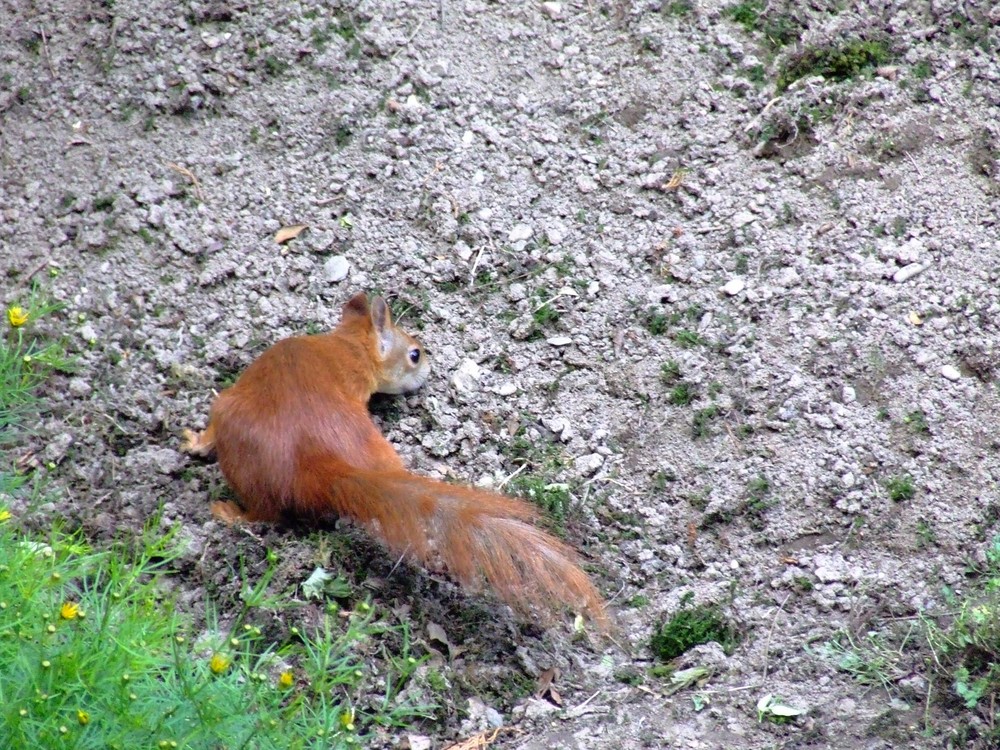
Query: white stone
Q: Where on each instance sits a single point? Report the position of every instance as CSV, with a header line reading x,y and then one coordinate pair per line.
x,y
552,10
588,464
336,269
908,272
559,341
743,218
734,287
585,183
848,395
520,233
951,373
466,378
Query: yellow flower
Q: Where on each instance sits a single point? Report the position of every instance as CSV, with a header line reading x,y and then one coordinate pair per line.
x,y
220,663
69,611
83,717
347,720
286,680
5,515
17,316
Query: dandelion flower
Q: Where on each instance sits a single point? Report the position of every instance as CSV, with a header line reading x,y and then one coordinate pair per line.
x,y
285,680
5,515
220,663
347,720
83,717
17,316
69,611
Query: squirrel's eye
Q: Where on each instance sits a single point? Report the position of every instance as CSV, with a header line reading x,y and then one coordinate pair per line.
x,y
414,355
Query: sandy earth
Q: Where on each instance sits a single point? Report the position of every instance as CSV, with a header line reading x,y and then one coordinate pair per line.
x,y
818,266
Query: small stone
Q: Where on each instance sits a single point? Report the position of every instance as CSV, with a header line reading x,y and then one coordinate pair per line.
x,y
416,742
847,480
79,387
951,373
908,272
552,10
466,378
734,287
743,218
87,333
848,395
521,327
559,341
506,389
336,269
517,292
520,233
555,233
787,277
588,464
585,183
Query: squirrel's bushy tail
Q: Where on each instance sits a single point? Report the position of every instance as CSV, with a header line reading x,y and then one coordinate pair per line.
x,y
477,534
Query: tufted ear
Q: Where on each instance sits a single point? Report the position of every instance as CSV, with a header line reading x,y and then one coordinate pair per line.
x,y
355,306
382,320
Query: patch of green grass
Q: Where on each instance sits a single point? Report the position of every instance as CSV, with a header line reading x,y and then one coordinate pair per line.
x,y
837,62
916,421
656,323
779,29
95,653
27,358
274,66
553,498
689,339
104,203
900,488
682,394
676,8
689,627
670,372
702,419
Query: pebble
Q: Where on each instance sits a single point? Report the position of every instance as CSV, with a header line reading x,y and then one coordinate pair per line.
x,y
951,373
909,271
585,184
336,269
559,341
743,218
588,464
552,10
520,233
466,378
734,287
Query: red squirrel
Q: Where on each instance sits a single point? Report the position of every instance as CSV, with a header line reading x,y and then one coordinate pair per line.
x,y
294,437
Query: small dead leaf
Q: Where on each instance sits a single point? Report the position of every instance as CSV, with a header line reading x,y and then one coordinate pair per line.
x,y
288,233
436,633
915,319
545,689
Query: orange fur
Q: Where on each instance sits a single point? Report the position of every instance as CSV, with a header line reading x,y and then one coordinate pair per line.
x,y
294,437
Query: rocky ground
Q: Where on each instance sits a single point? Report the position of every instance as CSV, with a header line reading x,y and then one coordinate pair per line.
x,y
738,297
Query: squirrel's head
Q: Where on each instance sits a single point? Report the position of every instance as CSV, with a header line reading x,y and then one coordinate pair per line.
x,y
403,363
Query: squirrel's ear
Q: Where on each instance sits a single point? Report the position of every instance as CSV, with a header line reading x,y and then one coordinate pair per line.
x,y
382,320
356,305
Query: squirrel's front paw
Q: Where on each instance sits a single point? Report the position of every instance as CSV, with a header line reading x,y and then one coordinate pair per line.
x,y
197,443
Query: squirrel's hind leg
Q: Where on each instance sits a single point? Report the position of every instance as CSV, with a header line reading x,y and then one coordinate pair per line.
x,y
199,443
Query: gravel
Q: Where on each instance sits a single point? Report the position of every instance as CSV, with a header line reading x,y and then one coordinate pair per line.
x,y
818,264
